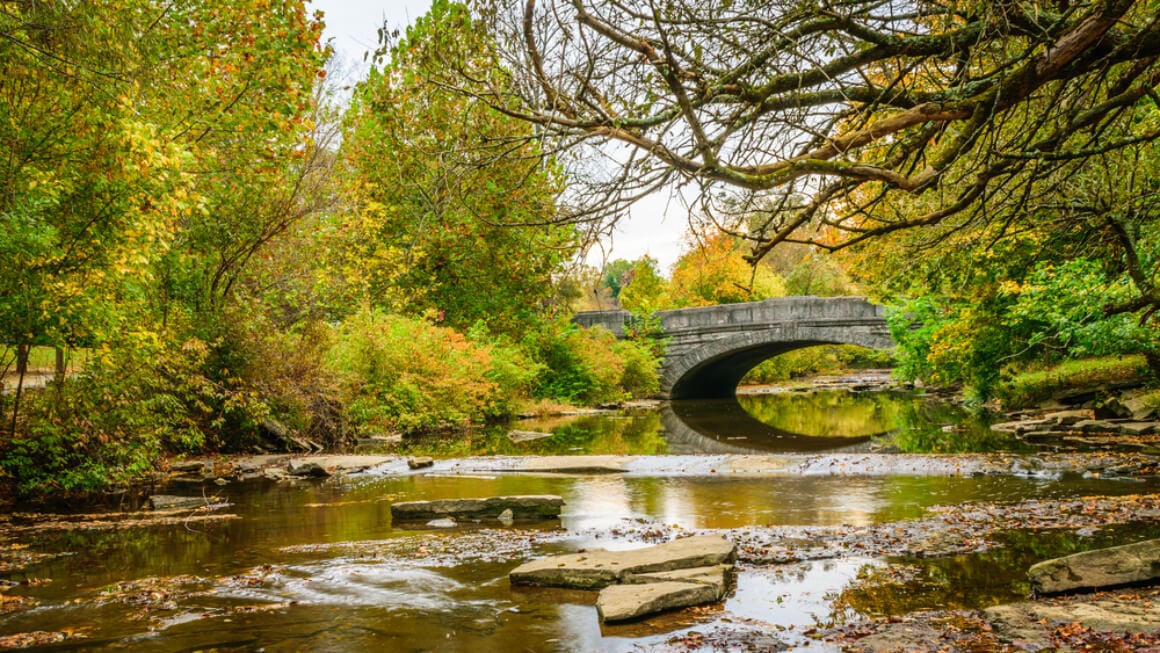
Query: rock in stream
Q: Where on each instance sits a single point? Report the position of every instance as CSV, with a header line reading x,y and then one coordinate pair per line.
x,y
528,506
639,582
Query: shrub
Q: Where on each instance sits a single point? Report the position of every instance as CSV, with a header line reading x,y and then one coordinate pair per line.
x,y
289,371
640,377
590,366
1032,386
108,427
406,374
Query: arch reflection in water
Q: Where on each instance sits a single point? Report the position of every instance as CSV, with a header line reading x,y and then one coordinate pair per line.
x,y
724,426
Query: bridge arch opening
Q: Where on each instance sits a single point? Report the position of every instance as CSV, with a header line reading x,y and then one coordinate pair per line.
x,y
715,369
717,377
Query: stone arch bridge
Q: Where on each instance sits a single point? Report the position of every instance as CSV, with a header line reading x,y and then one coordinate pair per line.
x,y
711,348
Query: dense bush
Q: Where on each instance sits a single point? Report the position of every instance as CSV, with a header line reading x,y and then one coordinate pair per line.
x,y
406,374
109,426
590,366
246,384
949,342
288,369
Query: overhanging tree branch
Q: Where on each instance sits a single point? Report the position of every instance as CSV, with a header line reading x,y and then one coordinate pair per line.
x,y
882,98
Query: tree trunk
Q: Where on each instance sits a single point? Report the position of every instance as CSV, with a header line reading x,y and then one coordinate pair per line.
x,y
61,367
22,352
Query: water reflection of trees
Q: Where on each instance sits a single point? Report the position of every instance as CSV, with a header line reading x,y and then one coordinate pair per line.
x,y
974,581
914,424
954,583
635,434
933,426
828,413
767,422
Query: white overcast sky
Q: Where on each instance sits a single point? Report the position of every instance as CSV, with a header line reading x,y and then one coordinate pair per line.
x,y
352,28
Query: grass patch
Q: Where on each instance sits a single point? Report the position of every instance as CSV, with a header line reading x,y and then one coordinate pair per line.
x,y
1151,399
43,359
1033,386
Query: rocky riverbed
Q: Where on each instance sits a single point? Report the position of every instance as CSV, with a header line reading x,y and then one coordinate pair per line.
x,y
1117,620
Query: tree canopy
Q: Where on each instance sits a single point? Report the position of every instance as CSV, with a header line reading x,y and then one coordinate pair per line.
x,y
826,111
446,187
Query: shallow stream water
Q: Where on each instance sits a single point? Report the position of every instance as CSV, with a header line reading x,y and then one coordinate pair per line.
x,y
318,565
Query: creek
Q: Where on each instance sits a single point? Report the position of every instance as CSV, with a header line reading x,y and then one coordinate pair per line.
x,y
317,565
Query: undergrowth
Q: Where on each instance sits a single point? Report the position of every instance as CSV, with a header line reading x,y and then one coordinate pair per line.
x,y
1030,387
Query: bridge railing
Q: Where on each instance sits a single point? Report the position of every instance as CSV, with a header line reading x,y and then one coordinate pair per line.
x,y
613,320
780,309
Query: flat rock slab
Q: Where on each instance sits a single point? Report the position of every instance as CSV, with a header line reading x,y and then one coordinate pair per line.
x,y
598,569
172,502
627,602
1024,426
520,437
716,577
1032,622
1139,428
574,465
528,506
1119,565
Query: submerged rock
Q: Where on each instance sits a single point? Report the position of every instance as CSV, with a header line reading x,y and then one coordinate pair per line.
x,y
1120,565
528,506
171,502
519,437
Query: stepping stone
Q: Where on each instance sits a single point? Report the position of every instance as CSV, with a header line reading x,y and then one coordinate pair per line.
x,y
1119,565
716,577
597,569
626,602
529,506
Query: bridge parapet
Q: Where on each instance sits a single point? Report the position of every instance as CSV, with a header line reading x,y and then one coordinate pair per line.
x,y
613,320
